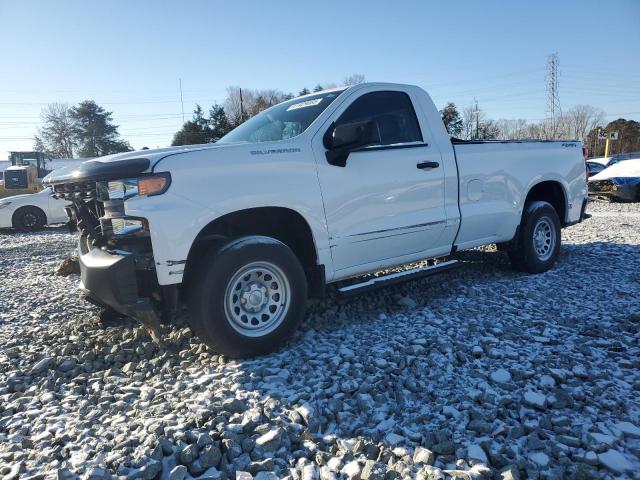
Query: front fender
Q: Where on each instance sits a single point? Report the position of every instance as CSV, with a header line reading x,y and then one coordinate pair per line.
x,y
174,223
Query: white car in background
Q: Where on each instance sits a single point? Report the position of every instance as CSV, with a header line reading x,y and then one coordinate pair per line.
x,y
32,211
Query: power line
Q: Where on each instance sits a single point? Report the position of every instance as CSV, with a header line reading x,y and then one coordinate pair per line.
x,y
482,79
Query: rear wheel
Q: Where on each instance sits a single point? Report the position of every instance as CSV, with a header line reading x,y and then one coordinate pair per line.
x,y
538,244
29,218
247,297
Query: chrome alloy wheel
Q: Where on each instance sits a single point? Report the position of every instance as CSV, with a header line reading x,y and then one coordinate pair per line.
x,y
257,298
544,238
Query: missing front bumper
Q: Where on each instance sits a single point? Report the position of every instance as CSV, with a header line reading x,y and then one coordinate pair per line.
x,y
109,279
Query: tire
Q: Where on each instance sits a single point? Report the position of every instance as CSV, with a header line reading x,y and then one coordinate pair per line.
x,y
247,297
29,219
538,243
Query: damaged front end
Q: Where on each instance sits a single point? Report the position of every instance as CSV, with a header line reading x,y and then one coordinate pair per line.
x,y
625,189
117,267
620,181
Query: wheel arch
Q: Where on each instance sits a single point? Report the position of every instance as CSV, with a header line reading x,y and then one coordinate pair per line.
x,y
282,223
552,192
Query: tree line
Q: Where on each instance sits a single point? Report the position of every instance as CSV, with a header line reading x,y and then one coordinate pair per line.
x,y
239,106
582,122
84,130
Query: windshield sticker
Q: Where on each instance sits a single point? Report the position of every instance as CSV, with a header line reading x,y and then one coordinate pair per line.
x,y
308,103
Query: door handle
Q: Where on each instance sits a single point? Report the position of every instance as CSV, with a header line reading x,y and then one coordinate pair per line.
x,y
424,165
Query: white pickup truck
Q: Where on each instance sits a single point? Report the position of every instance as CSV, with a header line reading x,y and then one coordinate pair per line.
x,y
319,189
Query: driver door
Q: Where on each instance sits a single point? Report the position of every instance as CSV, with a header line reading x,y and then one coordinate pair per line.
x,y
386,205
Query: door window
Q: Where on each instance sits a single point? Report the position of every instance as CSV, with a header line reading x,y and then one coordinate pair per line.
x,y
392,112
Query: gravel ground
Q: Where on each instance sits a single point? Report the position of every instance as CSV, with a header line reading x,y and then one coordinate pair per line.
x,y
478,373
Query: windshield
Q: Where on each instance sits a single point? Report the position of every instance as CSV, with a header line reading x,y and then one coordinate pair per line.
x,y
285,120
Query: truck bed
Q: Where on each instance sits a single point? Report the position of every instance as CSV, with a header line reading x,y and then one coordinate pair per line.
x,y
495,174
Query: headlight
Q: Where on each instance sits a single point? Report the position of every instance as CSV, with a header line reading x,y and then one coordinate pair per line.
x,y
148,185
4,204
124,226
122,188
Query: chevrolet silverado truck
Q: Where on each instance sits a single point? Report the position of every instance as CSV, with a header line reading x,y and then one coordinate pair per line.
x,y
319,189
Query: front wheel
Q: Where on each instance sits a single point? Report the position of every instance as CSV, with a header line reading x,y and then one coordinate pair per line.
x,y
247,297
538,244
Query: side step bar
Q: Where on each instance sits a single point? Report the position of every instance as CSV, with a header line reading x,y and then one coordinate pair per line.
x,y
398,277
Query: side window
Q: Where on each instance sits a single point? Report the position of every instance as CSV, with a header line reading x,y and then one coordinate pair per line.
x,y
392,112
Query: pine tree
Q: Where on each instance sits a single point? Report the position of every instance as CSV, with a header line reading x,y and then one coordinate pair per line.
x,y
199,118
94,133
191,133
451,119
195,131
304,91
318,88
219,123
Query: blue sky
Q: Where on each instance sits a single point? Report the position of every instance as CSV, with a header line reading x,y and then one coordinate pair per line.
x,y
129,55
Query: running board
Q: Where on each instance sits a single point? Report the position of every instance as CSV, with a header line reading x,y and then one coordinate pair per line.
x,y
398,277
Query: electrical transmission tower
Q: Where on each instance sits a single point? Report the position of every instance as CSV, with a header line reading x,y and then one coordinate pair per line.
x,y
553,101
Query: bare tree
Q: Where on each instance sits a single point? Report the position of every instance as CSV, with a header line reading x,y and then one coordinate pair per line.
x,y
234,105
56,135
512,129
535,131
262,99
488,130
550,130
468,123
240,108
581,119
354,79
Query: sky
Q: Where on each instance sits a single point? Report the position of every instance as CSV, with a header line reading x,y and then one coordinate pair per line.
x,y
129,56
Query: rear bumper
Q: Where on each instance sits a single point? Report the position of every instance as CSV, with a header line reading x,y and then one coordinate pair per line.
x,y
583,210
109,279
583,213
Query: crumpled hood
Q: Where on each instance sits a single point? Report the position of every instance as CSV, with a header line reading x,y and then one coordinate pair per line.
x,y
629,170
119,165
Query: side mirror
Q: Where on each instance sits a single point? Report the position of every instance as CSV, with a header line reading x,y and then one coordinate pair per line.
x,y
340,140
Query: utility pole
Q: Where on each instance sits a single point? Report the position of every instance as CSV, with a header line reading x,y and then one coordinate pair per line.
x,y
181,102
241,108
476,112
553,101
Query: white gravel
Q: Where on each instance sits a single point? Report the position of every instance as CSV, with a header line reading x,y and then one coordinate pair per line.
x,y
479,373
